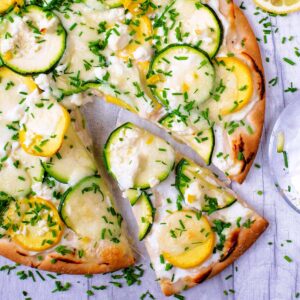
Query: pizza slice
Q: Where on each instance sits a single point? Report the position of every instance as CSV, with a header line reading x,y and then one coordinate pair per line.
x,y
192,224
57,213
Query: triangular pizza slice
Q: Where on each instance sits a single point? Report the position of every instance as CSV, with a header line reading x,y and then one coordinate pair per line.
x,y
57,213
192,224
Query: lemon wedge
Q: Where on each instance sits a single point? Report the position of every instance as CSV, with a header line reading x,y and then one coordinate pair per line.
x,y
186,240
279,6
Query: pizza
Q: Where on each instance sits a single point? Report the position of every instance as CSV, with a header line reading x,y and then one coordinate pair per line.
x,y
192,224
191,67
57,212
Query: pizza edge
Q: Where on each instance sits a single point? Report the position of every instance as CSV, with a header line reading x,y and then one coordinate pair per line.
x,y
241,240
112,259
243,142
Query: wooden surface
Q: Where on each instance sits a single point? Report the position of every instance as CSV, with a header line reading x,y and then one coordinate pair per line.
x,y
263,273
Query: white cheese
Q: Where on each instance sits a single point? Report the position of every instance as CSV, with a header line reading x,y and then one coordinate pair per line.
x,y
47,23
41,227
143,53
100,72
43,82
42,190
120,38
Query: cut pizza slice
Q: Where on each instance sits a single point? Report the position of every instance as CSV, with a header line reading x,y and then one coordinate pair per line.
x,y
192,224
57,213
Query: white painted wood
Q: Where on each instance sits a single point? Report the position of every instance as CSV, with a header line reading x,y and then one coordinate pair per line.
x,y
263,273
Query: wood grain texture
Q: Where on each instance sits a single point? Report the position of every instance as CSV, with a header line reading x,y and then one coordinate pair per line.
x,y
262,273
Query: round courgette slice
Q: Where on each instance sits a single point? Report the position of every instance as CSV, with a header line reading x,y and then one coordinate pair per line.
x,y
144,213
87,209
136,158
72,162
198,188
189,22
184,77
32,41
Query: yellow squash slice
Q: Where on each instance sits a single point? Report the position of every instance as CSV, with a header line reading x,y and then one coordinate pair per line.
x,y
186,239
36,224
13,88
119,102
143,30
137,7
234,85
43,132
7,4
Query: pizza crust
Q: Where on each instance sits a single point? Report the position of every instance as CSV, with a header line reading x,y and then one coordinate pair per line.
x,y
241,140
240,241
111,259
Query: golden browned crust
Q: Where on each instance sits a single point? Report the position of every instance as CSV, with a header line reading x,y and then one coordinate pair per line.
x,y
240,240
111,259
242,140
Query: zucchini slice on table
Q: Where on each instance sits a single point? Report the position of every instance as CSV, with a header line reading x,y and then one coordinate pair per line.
x,y
31,41
184,77
101,4
84,208
198,134
144,213
136,158
197,188
73,161
189,22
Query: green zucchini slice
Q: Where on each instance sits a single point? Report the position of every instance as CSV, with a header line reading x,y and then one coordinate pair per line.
x,y
132,195
32,41
14,181
72,162
199,133
144,213
46,4
189,22
85,209
136,158
32,164
185,77
197,185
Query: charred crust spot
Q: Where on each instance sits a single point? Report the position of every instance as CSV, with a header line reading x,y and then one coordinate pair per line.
x,y
231,244
68,260
202,277
21,253
239,147
261,74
